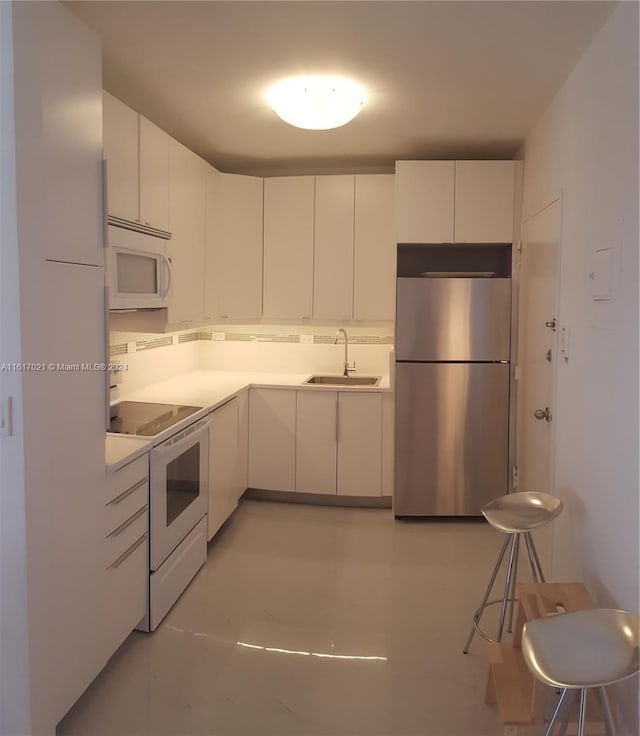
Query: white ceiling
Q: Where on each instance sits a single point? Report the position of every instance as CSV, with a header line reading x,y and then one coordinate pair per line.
x,y
444,79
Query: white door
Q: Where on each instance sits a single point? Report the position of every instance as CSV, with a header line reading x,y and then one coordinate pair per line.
x,y
537,345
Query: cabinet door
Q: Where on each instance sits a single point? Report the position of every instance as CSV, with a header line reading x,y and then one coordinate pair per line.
x,y
424,201
67,525
154,175
333,249
234,246
224,449
316,437
243,435
288,247
272,439
187,221
58,132
374,274
484,201
359,444
120,149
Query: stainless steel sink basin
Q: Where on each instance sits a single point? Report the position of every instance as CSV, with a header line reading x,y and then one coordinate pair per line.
x,y
345,380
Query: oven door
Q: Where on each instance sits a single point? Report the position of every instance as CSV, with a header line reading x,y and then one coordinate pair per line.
x,y
179,488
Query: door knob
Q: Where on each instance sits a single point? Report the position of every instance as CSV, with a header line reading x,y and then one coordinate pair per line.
x,y
545,414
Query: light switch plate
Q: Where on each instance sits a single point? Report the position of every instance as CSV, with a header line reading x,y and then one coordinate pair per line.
x,y
602,275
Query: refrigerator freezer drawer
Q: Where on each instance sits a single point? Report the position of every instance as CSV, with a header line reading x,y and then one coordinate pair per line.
x,y
467,319
452,437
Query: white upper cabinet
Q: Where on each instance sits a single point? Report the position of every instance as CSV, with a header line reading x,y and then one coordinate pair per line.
x,y
120,149
186,247
359,444
484,201
333,252
57,75
316,442
374,282
288,247
233,282
137,154
154,176
454,201
424,201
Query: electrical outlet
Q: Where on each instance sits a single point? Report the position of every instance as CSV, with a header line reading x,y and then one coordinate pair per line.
x,y
217,336
306,339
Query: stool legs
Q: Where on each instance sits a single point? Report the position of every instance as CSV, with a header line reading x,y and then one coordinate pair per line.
x,y
561,701
509,595
513,561
531,549
478,613
608,716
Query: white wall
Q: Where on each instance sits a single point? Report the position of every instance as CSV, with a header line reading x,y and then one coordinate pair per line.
x,y
585,147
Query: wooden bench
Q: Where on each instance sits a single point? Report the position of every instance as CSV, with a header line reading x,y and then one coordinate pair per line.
x,y
523,702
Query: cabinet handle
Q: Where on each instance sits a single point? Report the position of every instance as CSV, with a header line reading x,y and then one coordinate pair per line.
x,y
128,492
337,420
126,524
128,552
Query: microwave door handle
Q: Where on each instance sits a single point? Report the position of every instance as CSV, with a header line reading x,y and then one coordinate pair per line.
x,y
169,275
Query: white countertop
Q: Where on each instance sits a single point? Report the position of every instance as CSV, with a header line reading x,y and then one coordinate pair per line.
x,y
207,389
121,449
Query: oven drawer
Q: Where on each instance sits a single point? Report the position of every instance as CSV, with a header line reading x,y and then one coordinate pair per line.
x,y
126,504
122,537
126,477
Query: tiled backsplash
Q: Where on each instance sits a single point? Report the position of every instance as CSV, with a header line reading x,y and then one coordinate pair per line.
x,y
122,343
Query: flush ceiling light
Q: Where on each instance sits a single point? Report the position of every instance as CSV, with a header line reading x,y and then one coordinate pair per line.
x,y
316,102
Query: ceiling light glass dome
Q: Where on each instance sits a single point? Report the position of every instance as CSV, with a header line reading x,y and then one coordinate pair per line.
x,y
316,102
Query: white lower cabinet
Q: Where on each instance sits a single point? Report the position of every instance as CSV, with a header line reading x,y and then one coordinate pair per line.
x,y
359,444
227,462
126,576
326,442
272,439
316,441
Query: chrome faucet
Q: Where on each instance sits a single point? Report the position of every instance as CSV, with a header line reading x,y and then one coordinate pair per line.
x,y
347,367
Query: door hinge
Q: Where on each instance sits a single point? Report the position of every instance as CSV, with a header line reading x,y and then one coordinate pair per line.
x,y
514,476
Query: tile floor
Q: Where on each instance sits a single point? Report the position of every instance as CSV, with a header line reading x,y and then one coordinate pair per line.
x,y
310,621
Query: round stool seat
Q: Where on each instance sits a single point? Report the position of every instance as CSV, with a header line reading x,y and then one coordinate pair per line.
x,y
522,511
583,649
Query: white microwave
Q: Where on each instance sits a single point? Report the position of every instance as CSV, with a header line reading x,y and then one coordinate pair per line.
x,y
139,271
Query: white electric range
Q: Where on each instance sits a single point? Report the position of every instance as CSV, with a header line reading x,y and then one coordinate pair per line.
x,y
178,495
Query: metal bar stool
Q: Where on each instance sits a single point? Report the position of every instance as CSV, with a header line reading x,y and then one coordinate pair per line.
x,y
517,515
581,650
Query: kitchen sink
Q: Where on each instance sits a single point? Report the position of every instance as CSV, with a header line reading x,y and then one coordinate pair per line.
x,y
344,380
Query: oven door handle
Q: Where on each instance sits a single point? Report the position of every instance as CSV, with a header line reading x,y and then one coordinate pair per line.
x,y
186,437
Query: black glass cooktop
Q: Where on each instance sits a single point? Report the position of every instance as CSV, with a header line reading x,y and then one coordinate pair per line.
x,y
146,419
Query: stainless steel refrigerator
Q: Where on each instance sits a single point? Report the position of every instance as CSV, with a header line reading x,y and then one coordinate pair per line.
x,y
452,394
